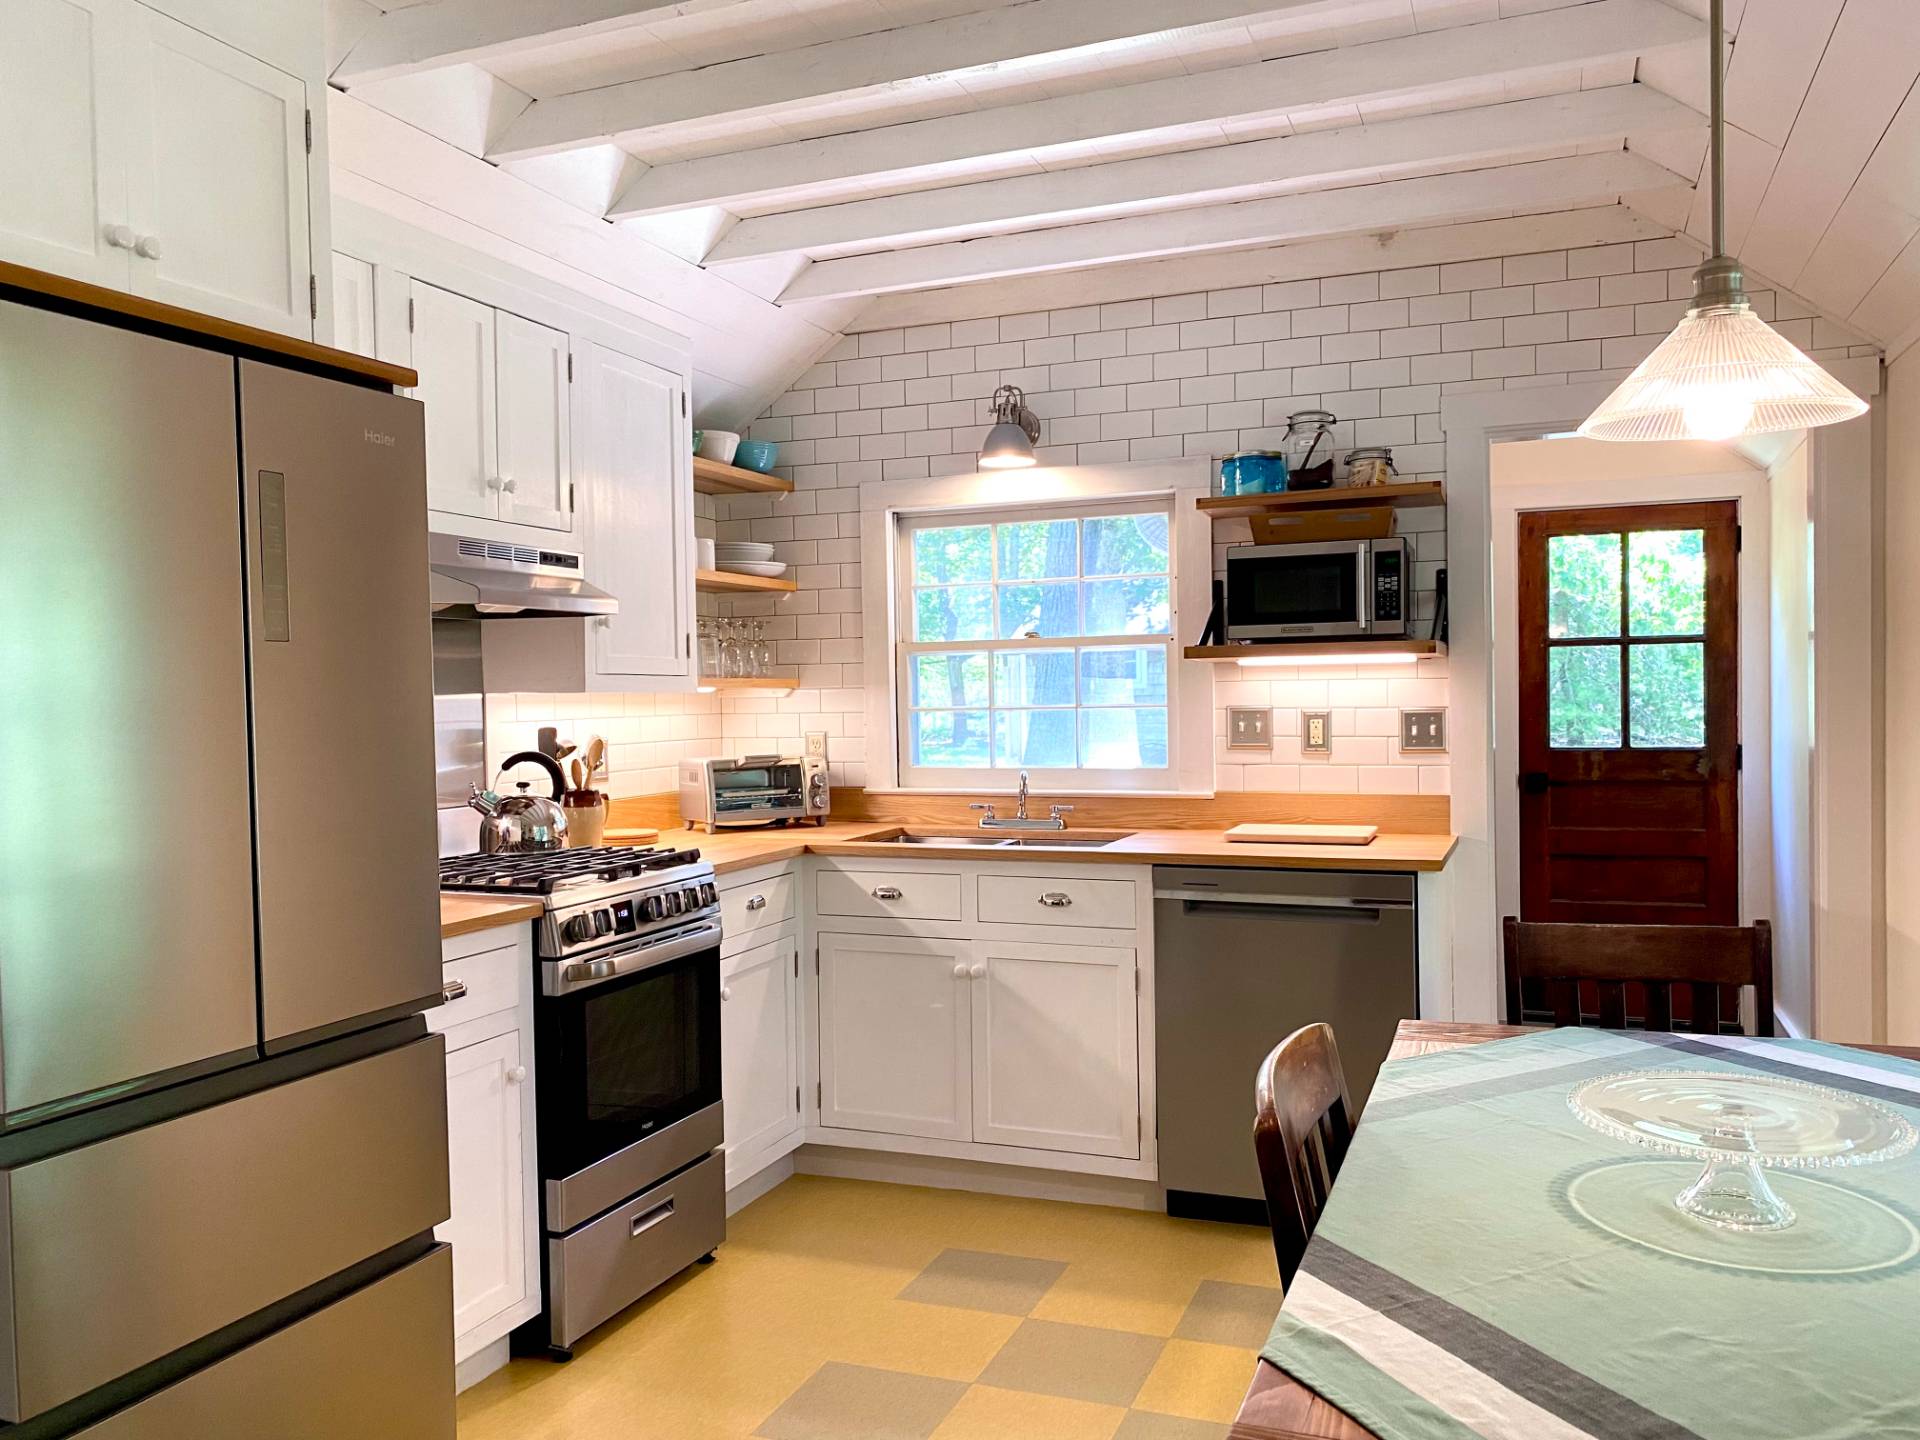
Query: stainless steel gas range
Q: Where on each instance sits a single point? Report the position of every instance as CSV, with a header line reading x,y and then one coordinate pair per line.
x,y
627,1070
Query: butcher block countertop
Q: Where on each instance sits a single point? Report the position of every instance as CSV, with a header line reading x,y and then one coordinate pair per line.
x,y
464,914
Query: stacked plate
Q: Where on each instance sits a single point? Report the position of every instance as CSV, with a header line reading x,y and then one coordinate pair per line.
x,y
747,557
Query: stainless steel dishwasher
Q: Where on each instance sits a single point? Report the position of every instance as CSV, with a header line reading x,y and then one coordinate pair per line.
x,y
1243,958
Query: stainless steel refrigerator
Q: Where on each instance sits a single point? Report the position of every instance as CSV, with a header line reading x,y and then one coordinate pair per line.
x,y
222,1121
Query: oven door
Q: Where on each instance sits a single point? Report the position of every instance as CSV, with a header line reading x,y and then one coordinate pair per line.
x,y
624,1060
1279,592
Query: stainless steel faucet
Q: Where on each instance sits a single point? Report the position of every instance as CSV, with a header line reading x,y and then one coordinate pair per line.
x,y
1020,820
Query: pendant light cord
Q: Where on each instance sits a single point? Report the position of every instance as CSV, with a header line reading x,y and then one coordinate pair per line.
x,y
1717,135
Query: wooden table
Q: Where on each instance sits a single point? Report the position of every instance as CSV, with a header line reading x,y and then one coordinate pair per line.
x,y
1277,1406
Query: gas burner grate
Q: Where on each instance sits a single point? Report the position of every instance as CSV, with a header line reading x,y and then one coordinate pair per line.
x,y
544,872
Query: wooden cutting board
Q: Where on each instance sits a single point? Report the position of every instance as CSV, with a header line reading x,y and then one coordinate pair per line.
x,y
1304,834
630,835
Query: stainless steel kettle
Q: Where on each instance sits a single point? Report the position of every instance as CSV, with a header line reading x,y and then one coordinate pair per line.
x,y
513,824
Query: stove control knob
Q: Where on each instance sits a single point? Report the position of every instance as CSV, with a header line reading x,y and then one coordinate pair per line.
x,y
577,929
708,894
650,907
602,922
676,901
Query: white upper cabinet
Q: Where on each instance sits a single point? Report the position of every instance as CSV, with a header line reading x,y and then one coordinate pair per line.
x,y
353,305
536,465
145,155
453,349
63,164
217,193
636,478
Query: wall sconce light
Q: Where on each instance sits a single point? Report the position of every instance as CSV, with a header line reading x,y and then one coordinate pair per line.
x,y
1015,430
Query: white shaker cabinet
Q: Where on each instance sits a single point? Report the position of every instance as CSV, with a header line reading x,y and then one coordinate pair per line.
x,y
485,1156
453,351
535,447
114,118
353,305
895,1016
760,1055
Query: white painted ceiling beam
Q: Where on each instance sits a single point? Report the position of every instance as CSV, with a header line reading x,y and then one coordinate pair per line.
x,y
1350,75
1540,185
416,38
832,68
1218,174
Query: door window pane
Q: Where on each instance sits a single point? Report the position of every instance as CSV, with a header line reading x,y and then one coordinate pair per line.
x,y
1029,611
1040,550
1123,676
1038,739
953,554
1033,677
1127,544
1667,582
950,738
953,613
1123,739
1667,688
947,681
1583,586
1583,697
1140,606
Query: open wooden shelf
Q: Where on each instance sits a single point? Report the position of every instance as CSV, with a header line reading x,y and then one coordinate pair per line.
x,y
751,684
725,582
1409,495
1306,652
710,477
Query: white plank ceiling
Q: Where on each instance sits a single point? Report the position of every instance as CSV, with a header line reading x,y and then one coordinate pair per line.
x,y
820,152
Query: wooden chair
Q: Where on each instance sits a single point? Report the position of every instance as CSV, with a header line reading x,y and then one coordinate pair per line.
x,y
1706,959
1302,1123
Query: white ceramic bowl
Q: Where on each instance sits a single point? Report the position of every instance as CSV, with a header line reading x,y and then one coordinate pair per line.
x,y
765,569
719,445
743,550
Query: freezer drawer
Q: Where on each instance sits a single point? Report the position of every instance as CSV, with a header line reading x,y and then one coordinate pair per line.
x,y
376,1365
334,484
124,1250
126,904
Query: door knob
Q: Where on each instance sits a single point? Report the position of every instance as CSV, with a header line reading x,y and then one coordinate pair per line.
x,y
147,247
120,237
1534,782
978,972
960,971
726,992
516,1074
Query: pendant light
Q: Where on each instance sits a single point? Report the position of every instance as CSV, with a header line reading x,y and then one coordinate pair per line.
x,y
1015,429
1723,372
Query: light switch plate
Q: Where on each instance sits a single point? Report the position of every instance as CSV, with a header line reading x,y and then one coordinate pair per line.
x,y
1423,730
816,744
1316,732
1249,728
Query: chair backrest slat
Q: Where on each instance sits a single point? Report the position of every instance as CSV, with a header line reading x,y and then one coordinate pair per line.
x,y
1708,960
1302,1126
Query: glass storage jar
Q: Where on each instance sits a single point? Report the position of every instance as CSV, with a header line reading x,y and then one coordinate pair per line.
x,y
1371,465
1253,472
1308,447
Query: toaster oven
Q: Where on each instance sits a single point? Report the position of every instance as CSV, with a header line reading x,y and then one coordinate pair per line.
x,y
721,793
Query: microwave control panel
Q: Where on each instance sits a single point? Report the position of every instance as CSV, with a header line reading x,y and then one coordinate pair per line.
x,y
1389,587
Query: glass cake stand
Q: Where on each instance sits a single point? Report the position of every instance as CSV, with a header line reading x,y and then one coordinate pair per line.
x,y
1740,1126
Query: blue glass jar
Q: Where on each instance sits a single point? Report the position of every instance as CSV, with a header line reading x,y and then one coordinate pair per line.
x,y
1253,472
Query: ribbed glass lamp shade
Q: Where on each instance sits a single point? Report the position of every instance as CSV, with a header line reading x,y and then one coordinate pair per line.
x,y
1007,448
1722,374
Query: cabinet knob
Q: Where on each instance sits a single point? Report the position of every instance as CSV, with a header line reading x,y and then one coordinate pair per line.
x,y
494,482
960,971
886,892
978,972
147,247
1055,899
510,486
120,237
726,992
516,1074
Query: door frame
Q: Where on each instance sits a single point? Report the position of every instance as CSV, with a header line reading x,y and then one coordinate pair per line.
x,y
1849,941
1746,486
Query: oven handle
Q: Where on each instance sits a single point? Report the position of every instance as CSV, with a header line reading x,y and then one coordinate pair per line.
x,y
567,977
1363,602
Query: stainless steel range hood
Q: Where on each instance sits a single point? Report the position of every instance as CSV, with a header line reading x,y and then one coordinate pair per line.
x,y
487,578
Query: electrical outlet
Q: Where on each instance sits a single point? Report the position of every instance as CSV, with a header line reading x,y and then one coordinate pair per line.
x,y
816,744
1423,730
1248,729
1316,732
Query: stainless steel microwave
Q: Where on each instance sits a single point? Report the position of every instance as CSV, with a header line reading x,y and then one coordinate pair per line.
x,y
1342,587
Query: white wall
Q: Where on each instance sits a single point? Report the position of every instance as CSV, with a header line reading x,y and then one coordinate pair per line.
x,y
1902,536
1791,761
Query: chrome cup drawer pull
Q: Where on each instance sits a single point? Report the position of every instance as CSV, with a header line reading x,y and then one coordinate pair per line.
x,y
757,902
886,892
452,990
1055,899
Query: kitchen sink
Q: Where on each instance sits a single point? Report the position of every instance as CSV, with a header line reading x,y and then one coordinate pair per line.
x,y
1042,840
986,841
1056,842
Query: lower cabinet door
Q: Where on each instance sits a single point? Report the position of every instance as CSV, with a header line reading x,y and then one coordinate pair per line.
x,y
1056,1048
759,1054
487,1163
893,1035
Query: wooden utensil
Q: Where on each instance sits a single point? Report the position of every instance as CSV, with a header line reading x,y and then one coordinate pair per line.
x,y
596,753
579,775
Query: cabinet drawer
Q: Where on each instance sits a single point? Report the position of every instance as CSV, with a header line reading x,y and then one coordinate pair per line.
x,y
747,909
488,982
1021,898
888,894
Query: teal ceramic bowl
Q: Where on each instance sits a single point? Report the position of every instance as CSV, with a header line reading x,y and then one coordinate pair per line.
x,y
757,455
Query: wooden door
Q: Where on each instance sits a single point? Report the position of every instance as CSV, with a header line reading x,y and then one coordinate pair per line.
x,y
453,351
894,1019
536,461
1056,1049
636,482
486,1166
63,139
1629,714
759,1054
218,190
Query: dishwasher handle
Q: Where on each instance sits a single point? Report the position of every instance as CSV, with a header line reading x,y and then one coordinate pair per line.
x,y
1245,901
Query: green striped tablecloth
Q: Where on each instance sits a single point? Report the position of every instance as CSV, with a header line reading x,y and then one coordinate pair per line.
x,y
1487,1265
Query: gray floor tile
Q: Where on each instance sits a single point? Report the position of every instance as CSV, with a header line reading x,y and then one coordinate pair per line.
x,y
1080,1362
839,1401
982,1280
1224,1313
